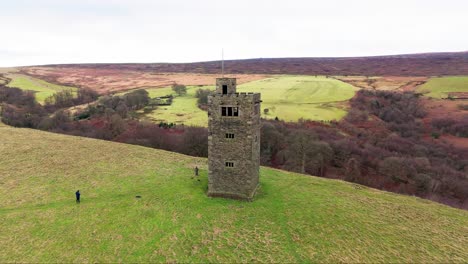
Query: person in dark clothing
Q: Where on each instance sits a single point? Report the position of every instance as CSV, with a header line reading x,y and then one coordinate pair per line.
x,y
77,196
196,173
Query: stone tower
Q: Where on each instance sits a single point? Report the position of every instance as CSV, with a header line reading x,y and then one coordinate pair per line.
x,y
233,141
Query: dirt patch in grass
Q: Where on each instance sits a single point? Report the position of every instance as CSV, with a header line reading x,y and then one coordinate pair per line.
x,y
387,83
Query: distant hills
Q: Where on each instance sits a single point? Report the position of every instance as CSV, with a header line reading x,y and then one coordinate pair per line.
x,y
424,64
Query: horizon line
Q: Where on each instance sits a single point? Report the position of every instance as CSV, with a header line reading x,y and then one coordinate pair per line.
x,y
244,59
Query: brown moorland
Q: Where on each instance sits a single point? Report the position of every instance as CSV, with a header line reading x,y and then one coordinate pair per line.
x,y
426,64
444,109
110,80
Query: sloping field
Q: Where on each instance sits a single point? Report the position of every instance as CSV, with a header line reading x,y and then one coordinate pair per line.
x,y
300,90
293,97
294,218
41,88
286,97
441,87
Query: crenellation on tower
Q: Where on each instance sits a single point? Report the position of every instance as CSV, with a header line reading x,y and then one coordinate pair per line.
x,y
233,141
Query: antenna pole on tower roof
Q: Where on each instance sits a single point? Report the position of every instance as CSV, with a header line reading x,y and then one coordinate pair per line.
x,y
222,62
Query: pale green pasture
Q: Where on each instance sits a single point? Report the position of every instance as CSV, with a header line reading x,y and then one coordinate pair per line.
x,y
289,98
300,90
442,86
293,112
41,88
184,109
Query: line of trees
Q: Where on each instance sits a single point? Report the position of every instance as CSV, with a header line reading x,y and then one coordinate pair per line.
x,y
448,125
20,108
109,118
67,98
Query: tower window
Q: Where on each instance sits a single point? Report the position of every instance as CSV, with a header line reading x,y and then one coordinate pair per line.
x,y
229,164
229,135
229,111
224,89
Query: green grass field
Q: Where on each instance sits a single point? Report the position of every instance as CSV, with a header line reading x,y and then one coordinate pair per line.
x,y
41,88
440,87
184,109
293,97
287,97
294,218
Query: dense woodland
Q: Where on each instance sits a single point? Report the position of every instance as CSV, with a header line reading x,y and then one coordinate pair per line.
x,y
382,142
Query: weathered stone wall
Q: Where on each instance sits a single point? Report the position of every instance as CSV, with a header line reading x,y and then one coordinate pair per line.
x,y
230,82
240,181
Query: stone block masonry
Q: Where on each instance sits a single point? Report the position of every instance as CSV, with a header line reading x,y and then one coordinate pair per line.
x,y
233,141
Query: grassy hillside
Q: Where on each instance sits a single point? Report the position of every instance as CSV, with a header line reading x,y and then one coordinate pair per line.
x,y
41,88
295,218
287,97
440,87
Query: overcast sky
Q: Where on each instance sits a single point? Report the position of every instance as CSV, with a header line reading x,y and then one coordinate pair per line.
x,y
87,31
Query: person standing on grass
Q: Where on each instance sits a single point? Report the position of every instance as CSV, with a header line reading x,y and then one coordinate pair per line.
x,y
77,196
196,173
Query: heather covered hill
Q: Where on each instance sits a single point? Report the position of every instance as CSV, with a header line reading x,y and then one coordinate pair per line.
x,y
294,218
427,64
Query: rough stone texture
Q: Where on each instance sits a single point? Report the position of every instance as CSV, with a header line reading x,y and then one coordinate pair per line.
x,y
240,181
231,84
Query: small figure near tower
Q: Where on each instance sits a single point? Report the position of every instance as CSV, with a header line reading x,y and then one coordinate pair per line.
x,y
196,170
77,194
233,141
